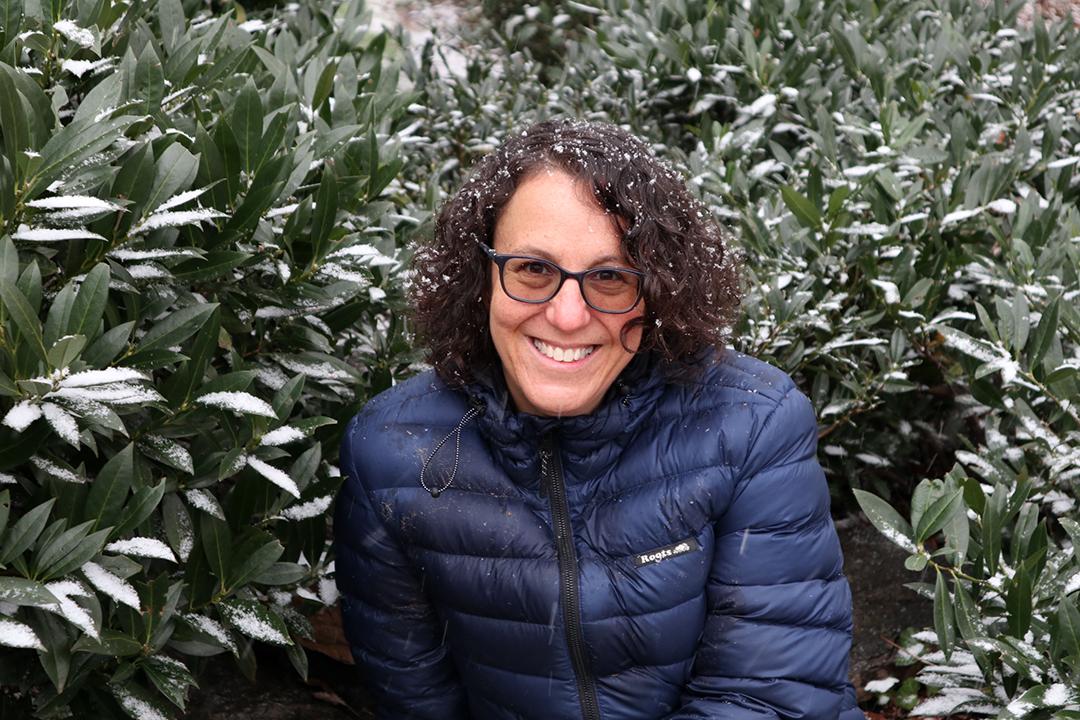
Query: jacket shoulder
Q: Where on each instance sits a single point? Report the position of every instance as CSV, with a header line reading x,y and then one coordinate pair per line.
x,y
737,373
382,444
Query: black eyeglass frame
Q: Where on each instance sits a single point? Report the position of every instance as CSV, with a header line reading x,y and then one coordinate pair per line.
x,y
501,259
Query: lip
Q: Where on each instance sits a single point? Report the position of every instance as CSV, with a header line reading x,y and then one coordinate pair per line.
x,y
556,363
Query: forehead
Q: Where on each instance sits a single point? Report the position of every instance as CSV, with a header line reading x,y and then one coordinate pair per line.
x,y
552,214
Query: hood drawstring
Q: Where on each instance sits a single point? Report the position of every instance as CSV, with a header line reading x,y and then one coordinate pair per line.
x,y
473,412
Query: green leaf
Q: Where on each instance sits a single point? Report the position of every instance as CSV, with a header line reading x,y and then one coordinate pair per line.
x,y
177,327
12,119
281,573
25,531
171,677
89,304
142,503
179,530
104,350
886,520
943,615
1067,637
171,23
940,512
20,591
112,642
322,223
18,307
85,551
992,519
61,545
286,396
65,350
5,509
253,554
215,264
1018,602
74,144
147,83
175,171
109,491
246,121
217,544
1045,332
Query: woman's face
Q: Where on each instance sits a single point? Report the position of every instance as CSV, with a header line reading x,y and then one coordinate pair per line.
x,y
554,217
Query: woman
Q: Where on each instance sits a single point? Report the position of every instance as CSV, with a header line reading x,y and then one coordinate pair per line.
x,y
588,509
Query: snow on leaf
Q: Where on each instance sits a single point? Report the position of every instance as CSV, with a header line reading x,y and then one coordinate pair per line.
x,y
142,547
1063,162
66,202
211,627
274,475
204,500
363,254
117,588
63,591
148,271
237,401
177,453
136,707
18,635
310,509
60,473
110,394
863,170
957,216
22,415
78,68
281,436
78,35
54,235
253,620
1002,206
175,219
180,199
102,377
880,686
892,293
152,254
62,423
875,230
974,347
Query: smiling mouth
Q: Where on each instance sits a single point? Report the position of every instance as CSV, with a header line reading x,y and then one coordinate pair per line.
x,y
563,355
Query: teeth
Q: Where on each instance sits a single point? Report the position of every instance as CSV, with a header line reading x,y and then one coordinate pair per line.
x,y
563,354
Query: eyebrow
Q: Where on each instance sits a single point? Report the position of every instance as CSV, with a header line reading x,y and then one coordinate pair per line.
x,y
603,260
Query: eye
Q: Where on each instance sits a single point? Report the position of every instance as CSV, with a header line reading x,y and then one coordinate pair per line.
x,y
609,276
533,267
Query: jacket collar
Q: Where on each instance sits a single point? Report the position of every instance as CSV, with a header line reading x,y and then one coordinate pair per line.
x,y
590,443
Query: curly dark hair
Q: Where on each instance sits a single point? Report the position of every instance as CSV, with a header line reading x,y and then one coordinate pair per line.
x,y
691,288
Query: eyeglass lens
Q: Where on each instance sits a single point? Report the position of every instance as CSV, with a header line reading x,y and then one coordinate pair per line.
x,y
606,289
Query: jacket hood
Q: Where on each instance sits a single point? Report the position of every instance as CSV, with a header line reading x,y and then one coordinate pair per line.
x,y
590,441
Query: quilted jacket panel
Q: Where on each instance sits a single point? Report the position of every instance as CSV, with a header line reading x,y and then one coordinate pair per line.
x,y
452,603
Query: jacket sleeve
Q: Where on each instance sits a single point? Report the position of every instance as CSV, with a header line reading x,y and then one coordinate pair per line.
x,y
778,630
394,633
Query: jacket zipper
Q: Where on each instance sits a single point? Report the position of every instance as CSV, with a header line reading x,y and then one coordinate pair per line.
x,y
552,480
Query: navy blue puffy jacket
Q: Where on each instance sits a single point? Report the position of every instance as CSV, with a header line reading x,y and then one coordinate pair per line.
x,y
669,556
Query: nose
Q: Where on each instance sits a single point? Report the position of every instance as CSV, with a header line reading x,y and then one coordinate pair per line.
x,y
567,310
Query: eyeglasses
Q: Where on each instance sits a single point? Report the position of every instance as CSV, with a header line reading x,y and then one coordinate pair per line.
x,y
534,280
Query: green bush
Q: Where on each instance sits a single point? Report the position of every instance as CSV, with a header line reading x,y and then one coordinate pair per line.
x,y
198,282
